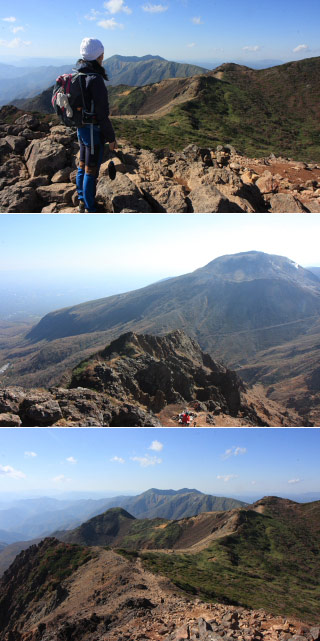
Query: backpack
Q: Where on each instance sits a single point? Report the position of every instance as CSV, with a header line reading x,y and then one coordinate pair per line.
x,y
68,100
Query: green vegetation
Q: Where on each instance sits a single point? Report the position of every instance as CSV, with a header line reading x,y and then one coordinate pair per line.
x,y
259,112
155,533
270,562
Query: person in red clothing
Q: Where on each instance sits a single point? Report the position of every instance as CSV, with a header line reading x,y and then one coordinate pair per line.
x,y
185,418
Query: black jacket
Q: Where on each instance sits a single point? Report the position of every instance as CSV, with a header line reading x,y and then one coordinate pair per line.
x,y
96,90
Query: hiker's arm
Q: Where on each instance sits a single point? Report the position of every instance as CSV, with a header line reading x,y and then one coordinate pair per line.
x,y
101,107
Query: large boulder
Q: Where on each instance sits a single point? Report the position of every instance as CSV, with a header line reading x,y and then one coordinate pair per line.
x,y
285,204
165,197
57,192
20,198
208,199
45,157
121,194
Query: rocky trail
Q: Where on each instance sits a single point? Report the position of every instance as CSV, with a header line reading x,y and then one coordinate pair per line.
x,y
39,163
113,599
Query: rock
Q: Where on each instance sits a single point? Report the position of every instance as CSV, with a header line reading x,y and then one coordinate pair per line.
x,y
313,205
285,203
120,194
57,192
10,399
62,176
13,170
16,143
28,120
45,157
266,183
49,209
40,409
208,199
10,420
19,198
165,197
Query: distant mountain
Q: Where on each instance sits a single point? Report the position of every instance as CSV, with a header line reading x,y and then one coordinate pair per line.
x,y
20,86
24,83
171,504
242,295
134,71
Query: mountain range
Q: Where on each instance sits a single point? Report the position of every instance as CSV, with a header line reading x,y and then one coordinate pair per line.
x,y
103,576
259,313
18,84
34,518
277,108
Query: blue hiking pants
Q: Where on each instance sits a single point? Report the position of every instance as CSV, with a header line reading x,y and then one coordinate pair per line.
x,y
89,166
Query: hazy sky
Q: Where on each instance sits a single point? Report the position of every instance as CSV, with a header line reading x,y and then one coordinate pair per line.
x,y
175,29
131,251
222,461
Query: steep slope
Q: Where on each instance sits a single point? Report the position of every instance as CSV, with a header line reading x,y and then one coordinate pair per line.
x,y
110,597
133,379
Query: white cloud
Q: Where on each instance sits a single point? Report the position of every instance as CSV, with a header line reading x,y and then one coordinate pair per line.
x,y
233,451
93,15
154,8
7,470
292,481
253,482
117,459
197,20
156,446
116,6
14,44
110,24
227,477
191,44
71,459
30,454
11,19
147,460
251,48
61,479
300,48
16,29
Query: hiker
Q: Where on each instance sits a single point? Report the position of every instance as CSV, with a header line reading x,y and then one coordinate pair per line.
x,y
96,129
185,418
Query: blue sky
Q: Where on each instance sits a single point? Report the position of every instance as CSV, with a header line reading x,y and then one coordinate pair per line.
x,y
207,30
218,461
129,251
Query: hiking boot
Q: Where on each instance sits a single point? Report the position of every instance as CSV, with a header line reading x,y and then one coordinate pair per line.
x,y
81,207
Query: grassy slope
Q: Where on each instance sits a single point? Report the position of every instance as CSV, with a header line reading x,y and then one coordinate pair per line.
x,y
259,112
272,562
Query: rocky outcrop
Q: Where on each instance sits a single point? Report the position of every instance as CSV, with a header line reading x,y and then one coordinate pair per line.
x,y
131,381
39,161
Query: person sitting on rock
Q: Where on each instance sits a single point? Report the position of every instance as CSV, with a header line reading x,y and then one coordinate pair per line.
x,y
98,130
185,419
